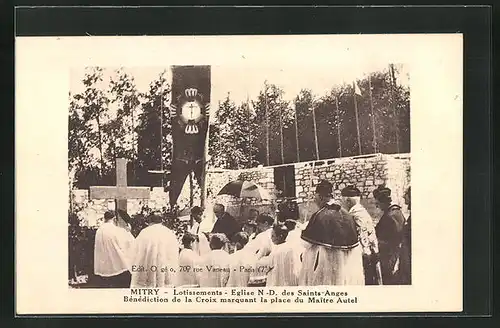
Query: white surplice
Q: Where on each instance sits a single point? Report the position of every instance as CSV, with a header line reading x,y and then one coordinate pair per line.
x,y
187,277
202,246
262,244
214,269
240,267
111,250
326,266
156,251
284,266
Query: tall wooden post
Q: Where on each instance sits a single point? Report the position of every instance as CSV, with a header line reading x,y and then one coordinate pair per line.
x,y
315,132
267,123
338,125
357,118
296,132
373,115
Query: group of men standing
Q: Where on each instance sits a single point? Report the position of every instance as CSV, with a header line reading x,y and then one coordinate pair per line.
x,y
339,245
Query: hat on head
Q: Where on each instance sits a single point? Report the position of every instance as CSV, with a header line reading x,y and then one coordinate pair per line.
x,y
324,188
350,191
382,194
196,210
108,215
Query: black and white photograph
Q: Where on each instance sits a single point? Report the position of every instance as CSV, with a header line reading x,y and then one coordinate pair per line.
x,y
263,174
227,176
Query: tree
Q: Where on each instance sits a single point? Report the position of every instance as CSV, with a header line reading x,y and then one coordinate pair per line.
x,y
273,116
304,103
121,129
231,137
94,105
154,139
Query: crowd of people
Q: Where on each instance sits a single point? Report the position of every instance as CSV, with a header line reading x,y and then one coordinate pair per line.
x,y
338,245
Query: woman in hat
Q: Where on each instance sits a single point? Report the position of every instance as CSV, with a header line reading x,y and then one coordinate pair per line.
x,y
389,231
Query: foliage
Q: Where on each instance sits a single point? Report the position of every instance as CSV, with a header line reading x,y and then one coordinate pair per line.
x,y
110,120
231,139
153,153
316,127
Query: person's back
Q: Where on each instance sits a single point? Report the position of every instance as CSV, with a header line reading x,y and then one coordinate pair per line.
x,y
155,257
111,249
332,254
331,226
188,260
110,256
214,266
283,267
240,262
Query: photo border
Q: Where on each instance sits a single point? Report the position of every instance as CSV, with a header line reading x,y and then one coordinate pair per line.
x,y
473,22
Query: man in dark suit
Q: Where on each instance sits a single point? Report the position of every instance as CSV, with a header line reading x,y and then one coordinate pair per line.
x,y
225,223
389,232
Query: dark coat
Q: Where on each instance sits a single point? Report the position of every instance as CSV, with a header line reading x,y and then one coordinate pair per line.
x,y
226,225
390,235
404,273
331,227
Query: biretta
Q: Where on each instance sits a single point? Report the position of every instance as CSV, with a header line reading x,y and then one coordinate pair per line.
x,y
350,191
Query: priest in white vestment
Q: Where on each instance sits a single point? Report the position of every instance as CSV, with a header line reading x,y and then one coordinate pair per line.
x,y
214,266
155,256
188,260
283,261
262,243
111,249
200,245
241,262
333,254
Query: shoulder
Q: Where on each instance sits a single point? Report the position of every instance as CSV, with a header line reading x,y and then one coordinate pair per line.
x,y
394,207
394,210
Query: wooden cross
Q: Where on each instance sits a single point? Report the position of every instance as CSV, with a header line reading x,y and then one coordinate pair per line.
x,y
121,192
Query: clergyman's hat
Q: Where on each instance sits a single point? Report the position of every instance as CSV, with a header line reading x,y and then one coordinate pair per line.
x,y
382,194
350,191
324,188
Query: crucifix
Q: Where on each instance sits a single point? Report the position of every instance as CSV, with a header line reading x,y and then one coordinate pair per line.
x,y
121,192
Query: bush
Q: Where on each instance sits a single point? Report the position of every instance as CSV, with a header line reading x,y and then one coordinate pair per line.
x,y
81,248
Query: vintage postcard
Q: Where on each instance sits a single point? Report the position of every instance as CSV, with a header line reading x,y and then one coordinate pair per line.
x,y
239,174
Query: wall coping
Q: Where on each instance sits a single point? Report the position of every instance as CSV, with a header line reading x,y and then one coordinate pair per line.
x,y
316,163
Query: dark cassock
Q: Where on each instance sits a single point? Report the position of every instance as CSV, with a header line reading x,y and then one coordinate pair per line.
x,y
225,223
404,272
332,255
389,231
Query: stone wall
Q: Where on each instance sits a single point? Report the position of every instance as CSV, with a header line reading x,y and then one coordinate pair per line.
x,y
365,172
91,211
